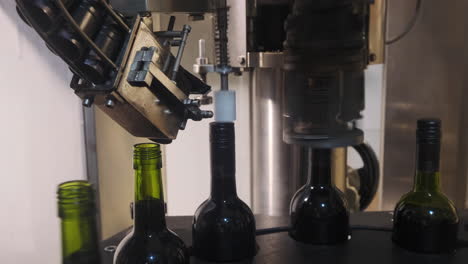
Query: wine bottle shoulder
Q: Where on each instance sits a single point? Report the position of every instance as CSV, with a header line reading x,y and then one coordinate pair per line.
x,y
322,201
223,214
319,194
222,206
161,247
426,204
427,199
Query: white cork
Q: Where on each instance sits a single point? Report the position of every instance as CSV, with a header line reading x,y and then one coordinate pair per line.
x,y
225,106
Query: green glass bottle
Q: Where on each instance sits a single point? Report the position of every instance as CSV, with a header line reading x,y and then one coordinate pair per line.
x,y
425,220
150,240
77,210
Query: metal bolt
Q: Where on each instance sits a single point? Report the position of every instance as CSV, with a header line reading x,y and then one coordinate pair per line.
x,y
187,28
157,101
207,114
88,101
167,112
195,102
110,103
110,249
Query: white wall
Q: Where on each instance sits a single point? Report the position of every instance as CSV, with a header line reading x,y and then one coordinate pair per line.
x,y
41,142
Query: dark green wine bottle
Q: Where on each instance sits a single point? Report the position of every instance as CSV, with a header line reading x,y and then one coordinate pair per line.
x,y
425,220
223,228
77,210
150,240
319,213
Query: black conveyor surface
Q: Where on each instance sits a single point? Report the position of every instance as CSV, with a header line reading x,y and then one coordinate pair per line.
x,y
365,247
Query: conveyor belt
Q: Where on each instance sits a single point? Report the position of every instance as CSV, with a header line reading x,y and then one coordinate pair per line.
x,y
365,246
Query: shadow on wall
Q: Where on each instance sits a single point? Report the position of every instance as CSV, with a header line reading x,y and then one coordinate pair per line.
x,y
26,33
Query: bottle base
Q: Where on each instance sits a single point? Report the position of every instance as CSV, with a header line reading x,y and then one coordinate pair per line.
x,y
417,235
420,249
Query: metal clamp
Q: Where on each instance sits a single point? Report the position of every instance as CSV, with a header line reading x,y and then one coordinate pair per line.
x,y
145,72
203,67
174,39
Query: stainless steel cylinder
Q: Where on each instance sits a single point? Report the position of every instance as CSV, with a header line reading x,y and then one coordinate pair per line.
x,y
275,165
278,169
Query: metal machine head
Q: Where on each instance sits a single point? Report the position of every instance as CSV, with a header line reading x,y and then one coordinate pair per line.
x,y
120,65
326,52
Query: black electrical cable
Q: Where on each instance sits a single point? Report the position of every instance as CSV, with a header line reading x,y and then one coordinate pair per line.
x,y
410,25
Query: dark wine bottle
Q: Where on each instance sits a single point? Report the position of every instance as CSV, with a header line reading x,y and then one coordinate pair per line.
x,y
150,240
319,213
223,228
425,220
77,210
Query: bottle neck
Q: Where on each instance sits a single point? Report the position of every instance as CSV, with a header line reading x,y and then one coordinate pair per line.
x,y
319,170
223,161
427,172
77,211
149,207
79,237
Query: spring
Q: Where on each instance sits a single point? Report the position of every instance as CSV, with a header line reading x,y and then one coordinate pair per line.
x,y
220,36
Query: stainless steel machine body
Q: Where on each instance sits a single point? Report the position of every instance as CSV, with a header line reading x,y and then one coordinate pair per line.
x,y
426,76
149,95
275,164
165,6
121,65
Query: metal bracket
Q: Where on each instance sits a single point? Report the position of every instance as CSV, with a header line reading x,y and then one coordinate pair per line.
x,y
194,112
174,39
145,73
203,67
